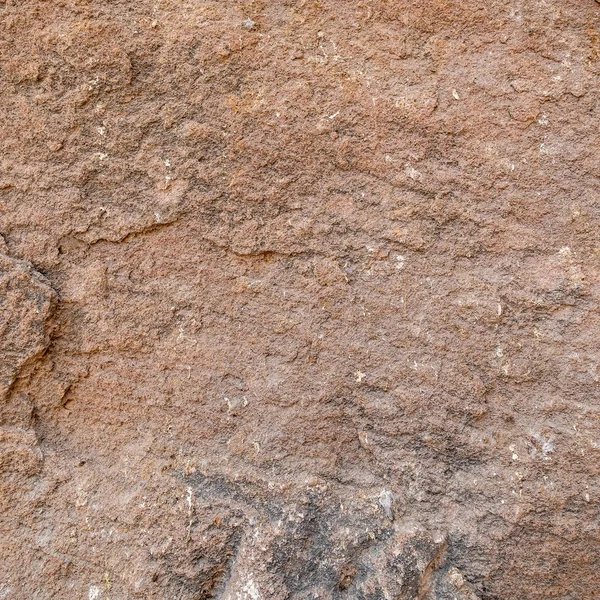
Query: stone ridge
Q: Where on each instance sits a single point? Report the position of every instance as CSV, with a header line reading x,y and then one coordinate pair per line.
x,y
26,303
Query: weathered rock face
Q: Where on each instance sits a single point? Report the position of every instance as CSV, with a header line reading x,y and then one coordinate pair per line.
x,y
25,304
299,299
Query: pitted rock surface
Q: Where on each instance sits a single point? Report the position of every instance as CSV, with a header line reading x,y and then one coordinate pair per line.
x,y
300,299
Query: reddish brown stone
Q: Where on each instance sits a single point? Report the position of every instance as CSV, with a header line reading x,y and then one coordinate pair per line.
x,y
299,299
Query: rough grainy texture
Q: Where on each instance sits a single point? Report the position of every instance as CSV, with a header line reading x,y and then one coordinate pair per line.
x,y
299,299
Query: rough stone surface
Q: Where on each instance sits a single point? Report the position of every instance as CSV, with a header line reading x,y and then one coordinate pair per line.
x,y
299,299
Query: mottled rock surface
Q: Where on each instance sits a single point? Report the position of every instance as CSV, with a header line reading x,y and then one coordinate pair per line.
x,y
299,299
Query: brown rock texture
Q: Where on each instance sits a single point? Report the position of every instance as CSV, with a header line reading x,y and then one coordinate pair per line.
x,y
299,299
